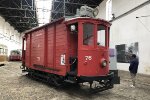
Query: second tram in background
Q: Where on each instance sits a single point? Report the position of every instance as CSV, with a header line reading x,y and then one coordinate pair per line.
x,y
15,55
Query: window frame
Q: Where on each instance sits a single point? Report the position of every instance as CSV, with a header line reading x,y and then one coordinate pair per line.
x,y
94,27
106,32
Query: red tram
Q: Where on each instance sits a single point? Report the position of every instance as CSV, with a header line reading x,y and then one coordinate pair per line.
x,y
70,50
15,55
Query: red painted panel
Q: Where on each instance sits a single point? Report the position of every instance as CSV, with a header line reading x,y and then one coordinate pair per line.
x,y
27,53
61,47
50,47
92,66
37,53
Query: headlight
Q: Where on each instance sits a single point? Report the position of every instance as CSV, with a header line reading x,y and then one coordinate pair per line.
x,y
104,63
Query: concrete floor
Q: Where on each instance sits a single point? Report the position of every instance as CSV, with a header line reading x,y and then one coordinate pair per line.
x,y
16,86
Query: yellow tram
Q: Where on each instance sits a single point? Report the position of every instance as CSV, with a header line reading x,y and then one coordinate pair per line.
x,y
3,54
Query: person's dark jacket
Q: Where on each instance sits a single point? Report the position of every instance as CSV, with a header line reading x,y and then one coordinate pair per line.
x,y
134,66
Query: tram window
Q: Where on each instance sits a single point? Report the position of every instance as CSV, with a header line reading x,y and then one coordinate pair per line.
x,y
6,51
24,45
0,50
101,35
88,37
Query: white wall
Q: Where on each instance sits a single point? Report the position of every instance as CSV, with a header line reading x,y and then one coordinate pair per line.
x,y
128,29
7,32
102,10
122,6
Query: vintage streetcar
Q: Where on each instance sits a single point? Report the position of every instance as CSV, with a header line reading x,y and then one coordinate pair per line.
x,y
72,50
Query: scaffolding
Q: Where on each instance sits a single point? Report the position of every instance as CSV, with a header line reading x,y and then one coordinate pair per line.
x,y
21,14
64,8
43,8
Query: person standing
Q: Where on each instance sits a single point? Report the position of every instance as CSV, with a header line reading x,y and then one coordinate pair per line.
x,y
133,68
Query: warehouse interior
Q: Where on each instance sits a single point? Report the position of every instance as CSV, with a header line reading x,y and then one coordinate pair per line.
x,y
129,34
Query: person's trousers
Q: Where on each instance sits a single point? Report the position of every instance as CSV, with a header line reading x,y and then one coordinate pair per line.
x,y
133,78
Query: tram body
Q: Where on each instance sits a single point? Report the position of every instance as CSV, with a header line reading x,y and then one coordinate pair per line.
x,y
70,50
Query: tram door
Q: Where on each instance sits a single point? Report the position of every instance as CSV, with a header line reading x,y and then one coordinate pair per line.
x,y
73,48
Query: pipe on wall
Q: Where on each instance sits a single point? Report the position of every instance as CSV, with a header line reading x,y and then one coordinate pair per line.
x,y
132,10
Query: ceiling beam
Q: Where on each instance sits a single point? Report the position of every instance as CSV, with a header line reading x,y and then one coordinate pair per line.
x,y
72,3
10,8
18,16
